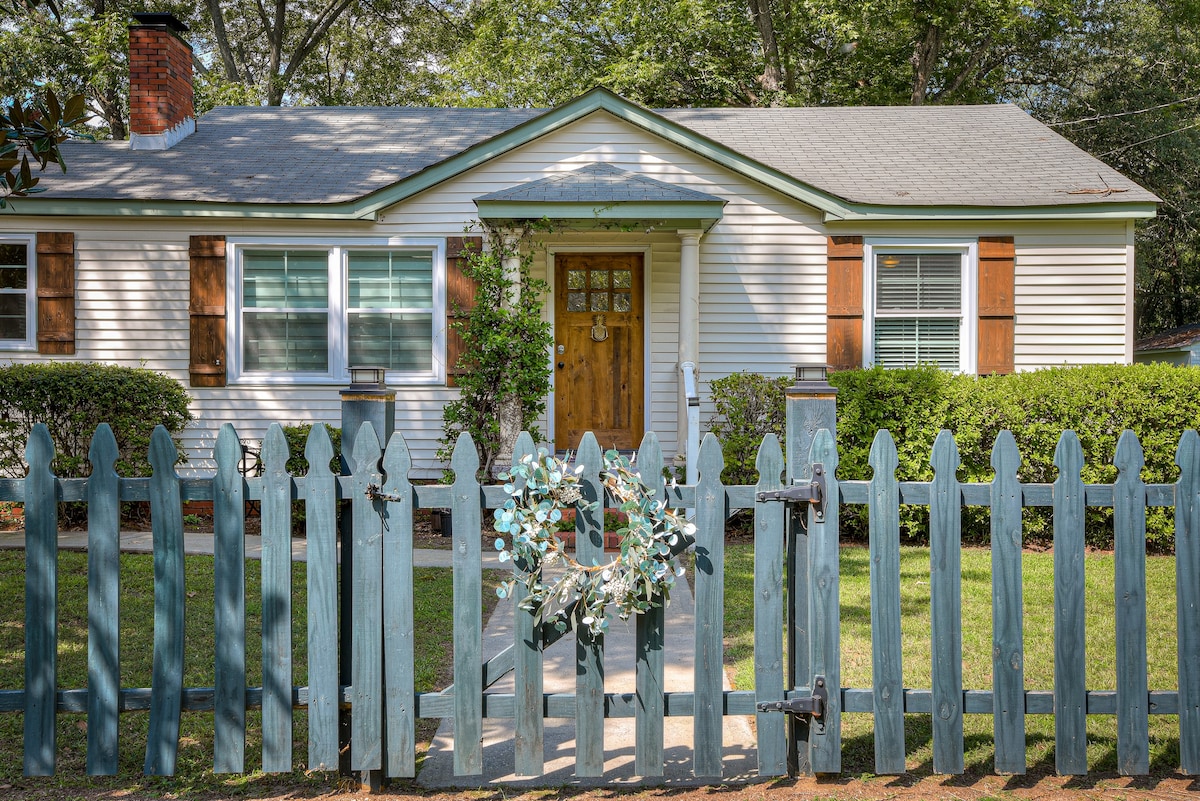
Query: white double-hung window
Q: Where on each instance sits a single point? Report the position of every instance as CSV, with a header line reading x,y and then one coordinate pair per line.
x,y
309,313
18,298
920,301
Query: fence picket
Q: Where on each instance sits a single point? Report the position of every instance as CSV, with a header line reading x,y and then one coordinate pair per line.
x,y
1129,525
1187,598
711,512
276,518
104,604
1070,641
41,604
529,740
650,633
945,588
768,609
589,650
399,683
366,722
320,517
825,741
166,683
887,668
229,604
1008,647
468,614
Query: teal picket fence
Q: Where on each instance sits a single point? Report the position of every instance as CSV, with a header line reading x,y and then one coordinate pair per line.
x,y
377,687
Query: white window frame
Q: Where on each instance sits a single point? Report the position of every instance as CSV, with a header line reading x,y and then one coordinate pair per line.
x,y
30,341
968,326
337,249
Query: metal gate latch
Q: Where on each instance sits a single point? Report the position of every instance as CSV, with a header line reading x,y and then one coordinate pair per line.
x,y
812,492
813,705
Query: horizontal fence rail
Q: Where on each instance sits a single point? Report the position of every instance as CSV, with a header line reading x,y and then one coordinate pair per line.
x,y
379,687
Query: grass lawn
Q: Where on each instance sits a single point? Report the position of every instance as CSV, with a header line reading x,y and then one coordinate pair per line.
x,y
1038,572
194,767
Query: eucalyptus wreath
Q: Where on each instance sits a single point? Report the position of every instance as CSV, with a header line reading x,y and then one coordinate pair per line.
x,y
560,589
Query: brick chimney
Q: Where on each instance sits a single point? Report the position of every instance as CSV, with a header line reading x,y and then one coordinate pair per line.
x,y
160,83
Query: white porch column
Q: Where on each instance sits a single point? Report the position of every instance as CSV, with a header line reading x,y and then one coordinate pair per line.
x,y
689,320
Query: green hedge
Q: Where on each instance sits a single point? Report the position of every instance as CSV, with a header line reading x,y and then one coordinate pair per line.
x,y
73,398
1158,402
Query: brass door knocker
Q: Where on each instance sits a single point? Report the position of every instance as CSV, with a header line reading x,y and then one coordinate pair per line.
x,y
599,330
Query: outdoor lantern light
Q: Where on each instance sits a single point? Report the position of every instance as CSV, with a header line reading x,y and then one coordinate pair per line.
x,y
368,378
811,372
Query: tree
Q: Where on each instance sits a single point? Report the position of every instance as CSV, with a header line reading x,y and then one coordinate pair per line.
x,y
1133,101
70,47
33,132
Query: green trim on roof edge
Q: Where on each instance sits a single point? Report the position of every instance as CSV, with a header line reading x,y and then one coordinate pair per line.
x,y
370,206
670,211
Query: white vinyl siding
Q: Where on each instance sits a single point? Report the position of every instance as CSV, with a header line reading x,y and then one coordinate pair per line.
x,y
18,295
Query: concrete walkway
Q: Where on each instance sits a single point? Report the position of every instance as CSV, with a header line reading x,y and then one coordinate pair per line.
x,y
559,677
740,760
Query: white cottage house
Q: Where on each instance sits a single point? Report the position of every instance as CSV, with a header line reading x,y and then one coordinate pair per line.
x,y
256,253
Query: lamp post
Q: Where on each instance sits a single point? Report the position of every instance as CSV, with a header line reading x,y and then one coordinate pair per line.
x,y
811,406
367,399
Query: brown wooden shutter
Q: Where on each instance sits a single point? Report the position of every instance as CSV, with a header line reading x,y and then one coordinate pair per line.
x,y
844,303
460,298
56,293
997,310
206,310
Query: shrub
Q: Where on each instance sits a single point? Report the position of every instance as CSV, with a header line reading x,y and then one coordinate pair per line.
x,y
297,440
1157,402
749,406
73,398
296,435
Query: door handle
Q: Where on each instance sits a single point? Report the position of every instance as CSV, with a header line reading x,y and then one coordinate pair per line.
x,y
561,365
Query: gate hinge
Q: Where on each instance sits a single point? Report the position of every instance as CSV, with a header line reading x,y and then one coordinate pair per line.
x,y
812,705
812,492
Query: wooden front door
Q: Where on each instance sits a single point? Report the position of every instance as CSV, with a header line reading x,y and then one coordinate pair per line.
x,y
598,349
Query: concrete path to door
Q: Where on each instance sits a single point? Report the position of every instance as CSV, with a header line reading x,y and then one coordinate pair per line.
x,y
740,760
437,770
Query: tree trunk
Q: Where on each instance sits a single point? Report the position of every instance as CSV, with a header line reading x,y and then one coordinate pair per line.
x,y
924,58
218,22
772,78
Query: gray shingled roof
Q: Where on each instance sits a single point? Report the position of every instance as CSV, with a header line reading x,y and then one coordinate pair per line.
x,y
926,156
1174,338
596,183
918,155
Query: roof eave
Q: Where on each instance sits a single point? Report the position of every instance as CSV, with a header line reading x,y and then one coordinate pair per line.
x,y
674,214
89,207
1137,210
